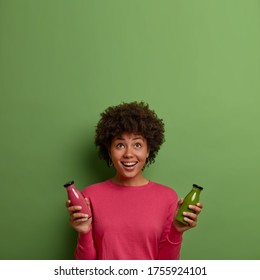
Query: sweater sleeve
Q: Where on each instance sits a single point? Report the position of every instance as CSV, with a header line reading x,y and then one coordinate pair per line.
x,y
170,244
85,249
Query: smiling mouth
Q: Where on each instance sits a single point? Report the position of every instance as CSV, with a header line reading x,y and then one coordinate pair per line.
x,y
129,164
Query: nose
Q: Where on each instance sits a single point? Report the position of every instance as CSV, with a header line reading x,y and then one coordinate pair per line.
x,y
128,152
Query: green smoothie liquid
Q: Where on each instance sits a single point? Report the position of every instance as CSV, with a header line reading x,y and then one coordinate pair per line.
x,y
192,198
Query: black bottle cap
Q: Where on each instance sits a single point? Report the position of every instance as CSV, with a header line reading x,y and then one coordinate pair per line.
x,y
68,184
197,186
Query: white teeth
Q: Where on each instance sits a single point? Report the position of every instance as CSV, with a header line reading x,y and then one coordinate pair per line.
x,y
129,164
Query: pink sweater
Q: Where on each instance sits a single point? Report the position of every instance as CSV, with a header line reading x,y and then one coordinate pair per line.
x,y
130,223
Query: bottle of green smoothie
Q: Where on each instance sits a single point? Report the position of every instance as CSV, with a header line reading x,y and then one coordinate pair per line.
x,y
192,198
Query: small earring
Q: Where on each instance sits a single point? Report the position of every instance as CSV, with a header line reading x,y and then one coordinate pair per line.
x,y
110,163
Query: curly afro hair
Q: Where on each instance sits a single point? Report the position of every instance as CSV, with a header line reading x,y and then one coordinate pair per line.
x,y
134,117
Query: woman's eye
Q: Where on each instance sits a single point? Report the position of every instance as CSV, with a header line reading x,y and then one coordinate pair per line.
x,y
138,145
120,146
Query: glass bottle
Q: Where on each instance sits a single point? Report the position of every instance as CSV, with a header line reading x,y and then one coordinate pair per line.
x,y
192,198
77,198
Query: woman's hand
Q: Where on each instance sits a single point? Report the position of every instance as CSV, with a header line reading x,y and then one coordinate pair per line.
x,y
79,221
189,217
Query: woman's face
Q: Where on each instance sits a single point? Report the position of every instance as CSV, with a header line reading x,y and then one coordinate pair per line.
x,y
128,153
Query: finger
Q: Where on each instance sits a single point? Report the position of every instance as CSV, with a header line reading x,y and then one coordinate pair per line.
x,y
68,202
199,205
195,208
87,201
191,222
73,209
81,220
190,216
79,216
181,201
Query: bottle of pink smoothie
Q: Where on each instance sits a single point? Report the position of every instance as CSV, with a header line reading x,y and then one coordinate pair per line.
x,y
77,198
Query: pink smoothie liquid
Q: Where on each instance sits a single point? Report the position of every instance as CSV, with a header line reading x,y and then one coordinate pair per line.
x,y
76,198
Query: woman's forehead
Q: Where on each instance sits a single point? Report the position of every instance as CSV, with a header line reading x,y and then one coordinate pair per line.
x,y
129,136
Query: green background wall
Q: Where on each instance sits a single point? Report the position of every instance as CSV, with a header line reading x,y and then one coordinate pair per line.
x,y
197,64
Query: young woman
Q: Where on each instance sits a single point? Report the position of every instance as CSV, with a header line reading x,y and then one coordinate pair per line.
x,y
132,217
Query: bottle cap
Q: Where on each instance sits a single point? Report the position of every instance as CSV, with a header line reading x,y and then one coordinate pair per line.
x,y
68,183
197,186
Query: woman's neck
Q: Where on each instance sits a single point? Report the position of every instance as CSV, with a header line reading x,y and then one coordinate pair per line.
x,y
140,181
